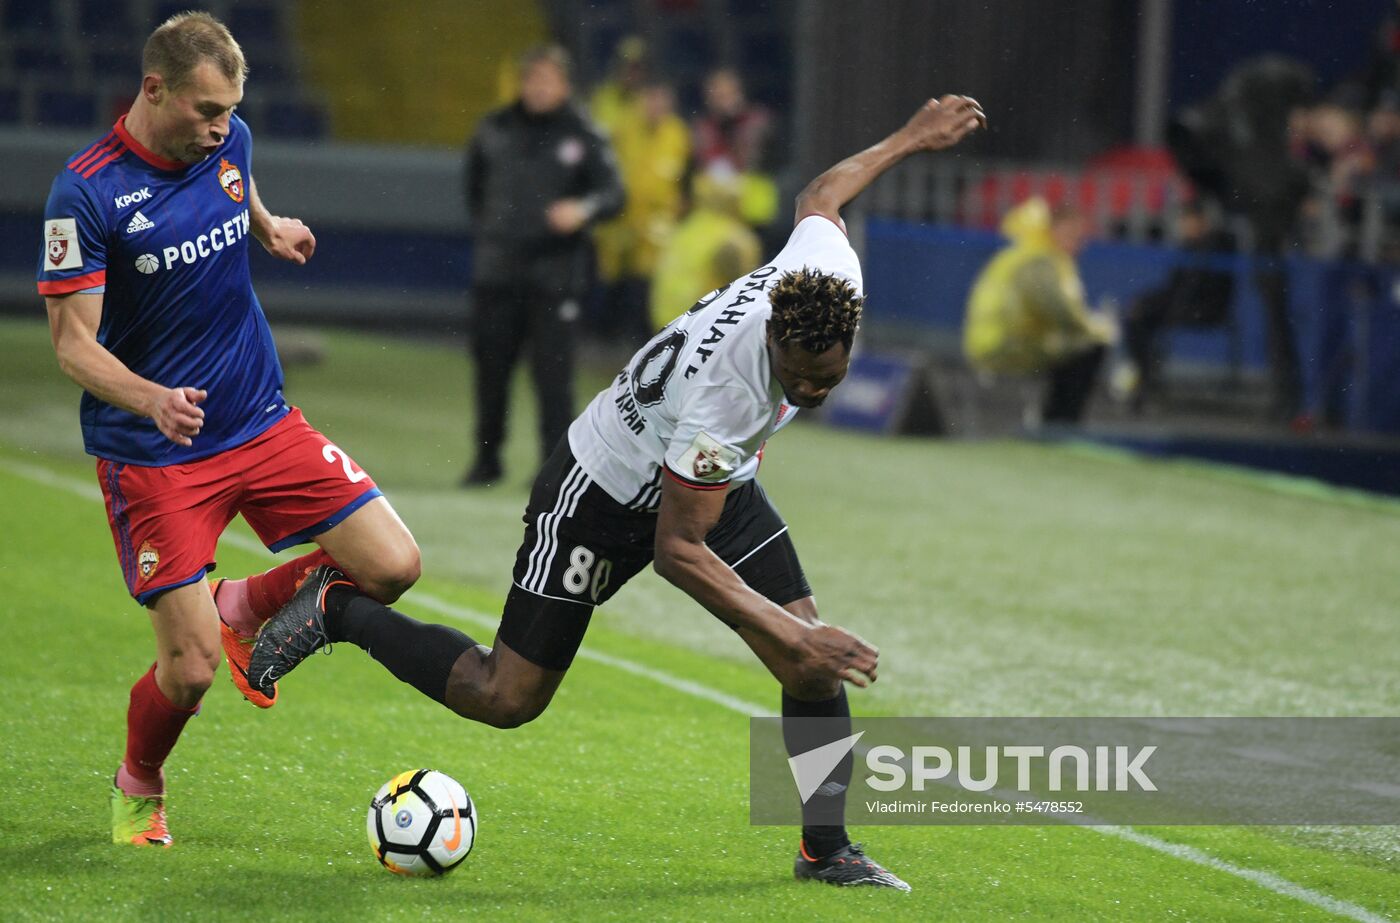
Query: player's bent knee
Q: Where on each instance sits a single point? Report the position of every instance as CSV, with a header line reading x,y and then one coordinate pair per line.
x,y
394,573
409,570
510,718
191,677
506,717
513,710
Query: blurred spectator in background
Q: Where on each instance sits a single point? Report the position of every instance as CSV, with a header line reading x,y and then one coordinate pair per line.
x,y
1381,76
710,247
616,107
653,148
1235,149
1198,293
1383,130
1027,314
734,134
618,99
732,129
1329,141
537,174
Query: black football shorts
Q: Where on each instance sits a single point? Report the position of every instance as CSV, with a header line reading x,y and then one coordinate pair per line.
x,y
581,546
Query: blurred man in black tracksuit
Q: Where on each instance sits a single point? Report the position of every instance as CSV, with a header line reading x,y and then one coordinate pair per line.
x,y
538,174
1198,293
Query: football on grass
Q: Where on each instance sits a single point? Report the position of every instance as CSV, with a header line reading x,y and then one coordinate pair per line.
x,y
422,822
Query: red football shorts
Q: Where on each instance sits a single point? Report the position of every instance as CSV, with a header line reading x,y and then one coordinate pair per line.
x,y
290,483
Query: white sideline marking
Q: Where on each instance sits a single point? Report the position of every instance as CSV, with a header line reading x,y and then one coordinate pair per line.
x,y
425,599
88,490
1266,880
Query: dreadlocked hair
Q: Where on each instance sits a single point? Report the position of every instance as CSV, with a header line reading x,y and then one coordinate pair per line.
x,y
814,310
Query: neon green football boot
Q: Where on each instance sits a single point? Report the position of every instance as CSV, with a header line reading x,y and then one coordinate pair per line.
x,y
138,820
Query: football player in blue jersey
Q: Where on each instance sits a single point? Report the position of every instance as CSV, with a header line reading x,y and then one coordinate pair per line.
x,y
144,271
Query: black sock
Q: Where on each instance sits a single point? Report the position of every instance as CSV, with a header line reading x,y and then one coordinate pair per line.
x,y
824,830
418,653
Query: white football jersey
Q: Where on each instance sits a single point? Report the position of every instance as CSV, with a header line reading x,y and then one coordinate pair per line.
x,y
700,398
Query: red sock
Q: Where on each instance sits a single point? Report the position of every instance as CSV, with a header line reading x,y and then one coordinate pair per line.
x,y
153,724
270,591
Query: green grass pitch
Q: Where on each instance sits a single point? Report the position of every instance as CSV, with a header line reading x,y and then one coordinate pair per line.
x,y
998,578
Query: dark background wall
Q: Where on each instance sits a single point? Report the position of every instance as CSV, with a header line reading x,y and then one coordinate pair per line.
x,y
1211,36
1056,77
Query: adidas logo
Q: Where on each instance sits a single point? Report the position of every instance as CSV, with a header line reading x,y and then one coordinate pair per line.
x,y
139,222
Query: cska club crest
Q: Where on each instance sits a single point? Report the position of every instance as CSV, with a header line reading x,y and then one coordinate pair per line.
x,y
231,179
148,559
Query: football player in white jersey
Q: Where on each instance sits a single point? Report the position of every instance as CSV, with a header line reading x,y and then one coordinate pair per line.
x,y
661,469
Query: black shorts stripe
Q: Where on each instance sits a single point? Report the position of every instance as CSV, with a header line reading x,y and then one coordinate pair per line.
x,y
571,497
547,525
642,498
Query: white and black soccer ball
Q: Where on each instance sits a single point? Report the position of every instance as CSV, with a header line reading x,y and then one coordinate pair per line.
x,y
422,822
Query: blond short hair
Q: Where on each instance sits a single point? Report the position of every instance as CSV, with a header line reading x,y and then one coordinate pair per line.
x,y
186,40
551,53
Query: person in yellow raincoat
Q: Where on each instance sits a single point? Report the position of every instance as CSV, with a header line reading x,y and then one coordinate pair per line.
x,y
1027,315
618,99
653,149
710,247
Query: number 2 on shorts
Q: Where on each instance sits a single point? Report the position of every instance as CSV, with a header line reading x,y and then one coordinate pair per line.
x,y
332,452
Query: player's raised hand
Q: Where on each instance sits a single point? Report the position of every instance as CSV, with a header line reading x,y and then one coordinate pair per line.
x,y
289,239
178,415
831,651
943,122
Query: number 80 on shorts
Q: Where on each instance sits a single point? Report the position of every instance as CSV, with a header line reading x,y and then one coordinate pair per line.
x,y
587,573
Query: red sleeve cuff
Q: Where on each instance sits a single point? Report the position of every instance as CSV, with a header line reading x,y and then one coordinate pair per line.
x,y
692,484
73,283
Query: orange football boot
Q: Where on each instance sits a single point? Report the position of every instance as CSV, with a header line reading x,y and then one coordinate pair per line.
x,y
237,650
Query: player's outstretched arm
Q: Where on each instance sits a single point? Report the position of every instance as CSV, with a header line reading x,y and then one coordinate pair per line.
x,y
73,323
939,123
683,558
285,238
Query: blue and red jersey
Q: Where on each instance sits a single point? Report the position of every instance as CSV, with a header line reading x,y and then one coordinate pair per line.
x,y
166,243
